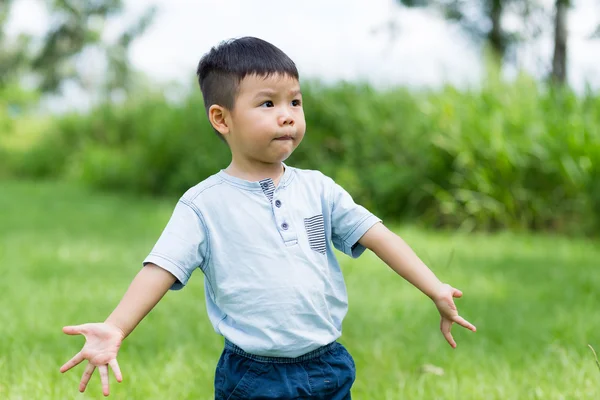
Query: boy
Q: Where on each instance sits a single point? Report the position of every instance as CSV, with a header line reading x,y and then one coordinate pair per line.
x,y
262,234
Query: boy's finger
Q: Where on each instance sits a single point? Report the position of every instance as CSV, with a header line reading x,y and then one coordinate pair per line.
x,y
464,323
103,369
117,371
73,329
72,362
87,374
457,293
445,326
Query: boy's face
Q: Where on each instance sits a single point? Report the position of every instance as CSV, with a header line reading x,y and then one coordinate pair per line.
x,y
267,121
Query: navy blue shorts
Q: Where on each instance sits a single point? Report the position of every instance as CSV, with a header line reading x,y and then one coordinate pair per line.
x,y
326,373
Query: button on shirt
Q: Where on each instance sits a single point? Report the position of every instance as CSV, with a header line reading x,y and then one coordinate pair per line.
x,y
273,284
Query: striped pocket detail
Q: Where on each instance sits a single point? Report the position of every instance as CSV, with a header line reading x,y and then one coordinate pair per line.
x,y
315,229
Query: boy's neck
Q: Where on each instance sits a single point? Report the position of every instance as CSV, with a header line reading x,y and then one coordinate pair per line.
x,y
256,172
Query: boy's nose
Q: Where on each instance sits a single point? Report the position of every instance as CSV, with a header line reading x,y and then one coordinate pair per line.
x,y
286,118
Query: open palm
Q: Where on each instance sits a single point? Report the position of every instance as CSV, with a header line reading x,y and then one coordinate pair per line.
x,y
102,343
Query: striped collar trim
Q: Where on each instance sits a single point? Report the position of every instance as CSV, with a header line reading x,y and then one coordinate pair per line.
x,y
285,180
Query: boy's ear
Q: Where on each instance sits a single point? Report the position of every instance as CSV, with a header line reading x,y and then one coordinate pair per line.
x,y
218,117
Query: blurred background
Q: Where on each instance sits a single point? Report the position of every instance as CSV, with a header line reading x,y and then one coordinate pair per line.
x,y
472,127
473,114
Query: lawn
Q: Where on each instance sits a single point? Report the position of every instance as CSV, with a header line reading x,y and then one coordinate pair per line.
x,y
68,254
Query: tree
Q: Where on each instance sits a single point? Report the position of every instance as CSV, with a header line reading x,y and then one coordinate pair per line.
x,y
559,59
481,20
75,26
13,54
560,56
485,25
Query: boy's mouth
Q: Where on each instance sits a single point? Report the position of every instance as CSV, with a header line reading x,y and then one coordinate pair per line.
x,y
285,137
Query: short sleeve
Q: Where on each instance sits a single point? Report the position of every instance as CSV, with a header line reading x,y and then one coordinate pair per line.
x,y
182,246
349,222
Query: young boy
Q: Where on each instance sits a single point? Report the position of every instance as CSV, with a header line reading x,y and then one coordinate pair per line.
x,y
262,234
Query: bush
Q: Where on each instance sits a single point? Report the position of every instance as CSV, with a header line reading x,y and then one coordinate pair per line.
x,y
508,155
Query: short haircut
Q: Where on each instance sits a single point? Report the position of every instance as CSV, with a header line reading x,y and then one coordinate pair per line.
x,y
221,70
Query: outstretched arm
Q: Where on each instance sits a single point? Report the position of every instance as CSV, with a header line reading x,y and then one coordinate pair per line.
x,y
146,290
103,340
394,251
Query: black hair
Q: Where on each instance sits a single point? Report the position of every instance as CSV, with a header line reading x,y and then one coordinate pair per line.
x,y
221,70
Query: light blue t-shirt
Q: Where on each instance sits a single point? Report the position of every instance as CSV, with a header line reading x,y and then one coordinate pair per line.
x,y
273,284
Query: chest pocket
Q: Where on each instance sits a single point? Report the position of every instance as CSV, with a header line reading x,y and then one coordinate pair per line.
x,y
315,229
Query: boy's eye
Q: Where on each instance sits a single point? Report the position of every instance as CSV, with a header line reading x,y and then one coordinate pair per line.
x,y
296,103
267,103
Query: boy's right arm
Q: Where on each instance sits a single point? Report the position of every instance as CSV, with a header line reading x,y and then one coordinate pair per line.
x,y
103,340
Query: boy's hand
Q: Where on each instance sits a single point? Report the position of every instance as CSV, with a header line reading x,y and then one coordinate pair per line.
x,y
102,343
445,304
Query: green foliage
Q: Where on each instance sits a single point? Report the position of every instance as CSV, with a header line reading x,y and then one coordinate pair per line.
x,y
17,131
141,146
76,27
507,155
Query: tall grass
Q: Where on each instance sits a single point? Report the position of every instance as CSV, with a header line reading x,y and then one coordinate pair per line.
x,y
595,355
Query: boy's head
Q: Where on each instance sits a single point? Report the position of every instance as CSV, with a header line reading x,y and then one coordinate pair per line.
x,y
251,93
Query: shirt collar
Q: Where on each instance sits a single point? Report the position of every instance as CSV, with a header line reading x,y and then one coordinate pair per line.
x,y
255,185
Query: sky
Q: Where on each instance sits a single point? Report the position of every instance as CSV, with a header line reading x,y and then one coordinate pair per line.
x,y
328,39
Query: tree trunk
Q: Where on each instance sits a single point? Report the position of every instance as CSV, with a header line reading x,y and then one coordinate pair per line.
x,y
559,61
496,35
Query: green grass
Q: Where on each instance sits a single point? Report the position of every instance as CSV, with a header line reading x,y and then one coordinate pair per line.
x,y
68,254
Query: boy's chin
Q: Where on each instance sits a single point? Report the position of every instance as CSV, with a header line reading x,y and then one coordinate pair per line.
x,y
278,158
284,157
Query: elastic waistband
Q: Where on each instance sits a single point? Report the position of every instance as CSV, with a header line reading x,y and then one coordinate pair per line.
x,y
280,360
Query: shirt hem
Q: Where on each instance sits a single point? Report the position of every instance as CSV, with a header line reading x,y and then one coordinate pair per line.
x,y
351,245
171,267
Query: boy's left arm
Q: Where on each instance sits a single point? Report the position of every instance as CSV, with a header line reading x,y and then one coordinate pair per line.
x,y
391,249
